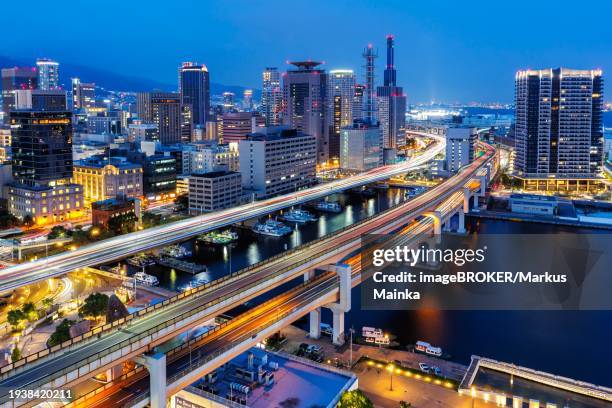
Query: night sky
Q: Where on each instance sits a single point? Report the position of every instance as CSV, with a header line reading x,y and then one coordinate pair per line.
x,y
451,51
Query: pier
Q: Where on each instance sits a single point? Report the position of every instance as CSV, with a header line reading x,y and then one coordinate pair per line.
x,y
189,267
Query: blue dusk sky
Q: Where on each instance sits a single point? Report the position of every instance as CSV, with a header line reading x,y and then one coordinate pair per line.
x,y
450,51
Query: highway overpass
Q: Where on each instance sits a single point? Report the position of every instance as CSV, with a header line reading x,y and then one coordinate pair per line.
x,y
68,364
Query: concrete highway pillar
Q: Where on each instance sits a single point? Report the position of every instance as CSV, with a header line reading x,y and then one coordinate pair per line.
x,y
315,324
338,327
156,365
483,184
461,228
344,302
437,217
467,194
309,275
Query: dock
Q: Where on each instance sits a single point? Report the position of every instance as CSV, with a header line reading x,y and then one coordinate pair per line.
x,y
189,267
520,217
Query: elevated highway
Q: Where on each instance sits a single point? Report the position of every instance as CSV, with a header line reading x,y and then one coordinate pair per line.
x,y
129,244
72,363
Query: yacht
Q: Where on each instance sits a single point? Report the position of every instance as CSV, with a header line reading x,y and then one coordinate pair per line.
x,y
329,206
272,228
219,238
146,279
175,251
427,348
141,260
299,216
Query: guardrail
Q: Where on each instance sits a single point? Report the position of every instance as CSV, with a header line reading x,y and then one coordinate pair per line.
x,y
185,295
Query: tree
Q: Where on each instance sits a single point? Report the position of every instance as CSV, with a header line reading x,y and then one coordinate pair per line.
x,y
122,224
404,404
14,317
28,221
354,399
58,231
61,333
8,220
16,354
182,202
29,311
95,305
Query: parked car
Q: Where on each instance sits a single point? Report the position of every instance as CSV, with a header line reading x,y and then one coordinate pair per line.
x,y
424,367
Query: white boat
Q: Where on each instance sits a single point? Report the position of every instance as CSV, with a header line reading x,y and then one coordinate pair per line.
x,y
328,206
146,279
299,216
371,332
427,348
272,228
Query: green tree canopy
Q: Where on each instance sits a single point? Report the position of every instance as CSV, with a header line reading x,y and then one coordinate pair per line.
x,y
14,317
354,399
61,333
95,305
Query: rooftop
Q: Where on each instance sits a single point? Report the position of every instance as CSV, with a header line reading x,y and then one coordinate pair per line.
x,y
302,381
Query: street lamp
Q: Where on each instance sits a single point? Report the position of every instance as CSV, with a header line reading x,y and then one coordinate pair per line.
x,y
391,369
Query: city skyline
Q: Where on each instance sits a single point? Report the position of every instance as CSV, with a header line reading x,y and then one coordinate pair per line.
x,y
437,53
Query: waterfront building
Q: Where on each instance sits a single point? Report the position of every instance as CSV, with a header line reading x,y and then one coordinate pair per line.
x,y
340,97
103,178
391,103
83,94
48,74
271,96
534,204
460,147
194,90
277,160
304,109
164,110
559,129
17,78
214,191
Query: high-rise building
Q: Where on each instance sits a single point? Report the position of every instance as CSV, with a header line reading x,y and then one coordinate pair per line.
x,y
340,96
247,100
304,96
39,100
48,74
214,191
16,79
460,147
360,146
361,143
559,129
391,103
228,101
194,89
83,94
271,96
358,101
277,160
164,110
42,167
237,125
